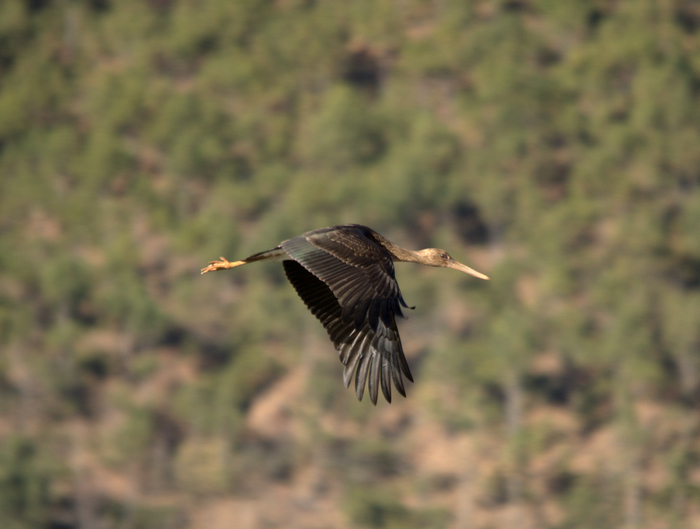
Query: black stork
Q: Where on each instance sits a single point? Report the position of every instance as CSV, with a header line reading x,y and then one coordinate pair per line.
x,y
345,276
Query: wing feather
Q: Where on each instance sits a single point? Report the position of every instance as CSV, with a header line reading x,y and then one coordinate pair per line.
x,y
373,377
368,341
361,375
386,379
352,263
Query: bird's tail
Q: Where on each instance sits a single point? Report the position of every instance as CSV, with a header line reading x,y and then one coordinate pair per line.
x,y
276,254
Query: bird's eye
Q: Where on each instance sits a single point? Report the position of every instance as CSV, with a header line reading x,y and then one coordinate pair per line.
x,y
443,255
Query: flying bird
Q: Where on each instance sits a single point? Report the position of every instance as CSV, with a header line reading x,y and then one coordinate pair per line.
x,y
345,276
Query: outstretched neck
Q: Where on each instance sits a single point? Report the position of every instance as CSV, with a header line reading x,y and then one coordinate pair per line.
x,y
408,256
401,254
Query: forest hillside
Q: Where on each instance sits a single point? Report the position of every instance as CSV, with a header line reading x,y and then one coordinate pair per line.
x,y
552,145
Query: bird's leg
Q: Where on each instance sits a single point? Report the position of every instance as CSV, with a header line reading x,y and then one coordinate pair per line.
x,y
221,265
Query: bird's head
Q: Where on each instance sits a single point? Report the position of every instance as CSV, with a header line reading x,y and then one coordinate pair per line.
x,y
438,257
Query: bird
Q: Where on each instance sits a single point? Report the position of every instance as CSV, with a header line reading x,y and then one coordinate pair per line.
x,y
345,276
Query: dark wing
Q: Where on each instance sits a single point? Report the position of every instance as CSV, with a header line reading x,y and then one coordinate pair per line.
x,y
347,281
358,270
377,355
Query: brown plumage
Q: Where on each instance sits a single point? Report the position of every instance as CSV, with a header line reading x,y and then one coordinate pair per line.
x,y
345,276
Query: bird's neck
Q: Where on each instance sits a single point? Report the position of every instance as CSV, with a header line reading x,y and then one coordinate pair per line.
x,y
401,254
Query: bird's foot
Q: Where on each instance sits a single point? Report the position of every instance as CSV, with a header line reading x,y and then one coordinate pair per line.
x,y
220,265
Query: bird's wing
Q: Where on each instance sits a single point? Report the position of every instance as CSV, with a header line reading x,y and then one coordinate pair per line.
x,y
374,355
358,270
367,340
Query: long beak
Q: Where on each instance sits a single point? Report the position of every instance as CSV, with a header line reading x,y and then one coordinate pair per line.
x,y
464,268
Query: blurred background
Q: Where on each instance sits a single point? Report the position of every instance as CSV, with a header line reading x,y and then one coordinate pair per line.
x,y
553,145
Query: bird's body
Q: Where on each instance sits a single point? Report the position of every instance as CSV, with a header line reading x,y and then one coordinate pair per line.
x,y
345,276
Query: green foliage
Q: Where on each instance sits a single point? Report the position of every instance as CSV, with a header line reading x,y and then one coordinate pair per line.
x,y
595,490
201,466
553,144
382,509
25,478
133,436
343,132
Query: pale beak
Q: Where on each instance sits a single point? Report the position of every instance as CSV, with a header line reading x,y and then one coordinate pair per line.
x,y
464,268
